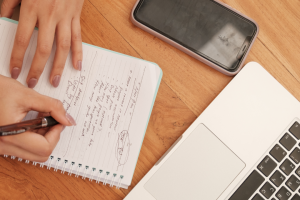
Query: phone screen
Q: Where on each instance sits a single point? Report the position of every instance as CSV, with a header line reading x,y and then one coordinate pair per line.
x,y
203,26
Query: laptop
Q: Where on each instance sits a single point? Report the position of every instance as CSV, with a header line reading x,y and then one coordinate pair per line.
x,y
245,145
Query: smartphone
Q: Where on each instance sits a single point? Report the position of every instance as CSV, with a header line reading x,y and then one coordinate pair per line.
x,y
207,30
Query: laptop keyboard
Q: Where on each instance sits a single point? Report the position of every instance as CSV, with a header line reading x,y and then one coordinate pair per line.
x,y
277,176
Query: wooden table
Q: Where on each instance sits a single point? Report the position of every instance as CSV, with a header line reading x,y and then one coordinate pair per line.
x,y
187,88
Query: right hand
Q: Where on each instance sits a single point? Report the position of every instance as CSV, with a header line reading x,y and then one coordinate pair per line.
x,y
16,101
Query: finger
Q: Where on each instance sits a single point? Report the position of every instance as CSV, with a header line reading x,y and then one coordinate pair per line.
x,y
42,103
8,6
42,131
53,135
43,51
35,143
22,39
63,44
76,45
21,153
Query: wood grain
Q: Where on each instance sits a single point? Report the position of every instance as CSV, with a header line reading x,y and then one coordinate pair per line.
x,y
187,88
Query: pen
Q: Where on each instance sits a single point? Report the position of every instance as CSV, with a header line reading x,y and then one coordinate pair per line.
x,y
17,128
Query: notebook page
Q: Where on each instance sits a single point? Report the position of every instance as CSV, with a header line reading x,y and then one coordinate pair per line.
x,y
110,99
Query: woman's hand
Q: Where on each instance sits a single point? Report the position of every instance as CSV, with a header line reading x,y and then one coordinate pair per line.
x,y
54,17
15,102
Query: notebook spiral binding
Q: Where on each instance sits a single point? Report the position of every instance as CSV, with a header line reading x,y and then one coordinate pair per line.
x,y
77,171
70,172
64,166
86,168
90,179
56,166
49,165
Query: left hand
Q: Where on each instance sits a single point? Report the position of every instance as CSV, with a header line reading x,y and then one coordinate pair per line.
x,y
54,17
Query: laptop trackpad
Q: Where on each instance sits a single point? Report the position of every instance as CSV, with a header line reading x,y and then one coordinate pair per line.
x,y
201,168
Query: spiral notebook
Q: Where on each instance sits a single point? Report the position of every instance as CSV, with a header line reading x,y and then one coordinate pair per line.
x,y
111,100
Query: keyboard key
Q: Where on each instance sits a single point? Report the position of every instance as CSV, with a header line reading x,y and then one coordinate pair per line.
x,y
250,185
283,194
295,130
298,172
278,153
257,197
266,166
296,197
295,155
287,141
287,167
293,183
267,190
277,178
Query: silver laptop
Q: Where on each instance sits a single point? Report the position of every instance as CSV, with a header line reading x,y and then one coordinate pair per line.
x,y
245,145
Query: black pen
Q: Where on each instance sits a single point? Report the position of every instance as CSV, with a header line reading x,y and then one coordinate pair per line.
x,y
13,129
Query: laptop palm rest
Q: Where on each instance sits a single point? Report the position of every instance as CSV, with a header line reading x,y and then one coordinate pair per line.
x,y
202,167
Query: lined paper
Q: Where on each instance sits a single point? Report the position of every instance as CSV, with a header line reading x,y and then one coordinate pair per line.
x,y
110,99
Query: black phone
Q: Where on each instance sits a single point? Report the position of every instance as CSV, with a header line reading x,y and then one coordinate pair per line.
x,y
208,30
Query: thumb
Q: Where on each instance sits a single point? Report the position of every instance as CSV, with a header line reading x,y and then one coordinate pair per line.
x,y
8,6
45,104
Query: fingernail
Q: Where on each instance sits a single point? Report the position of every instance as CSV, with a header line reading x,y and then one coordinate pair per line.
x,y
32,82
79,65
70,119
15,72
56,80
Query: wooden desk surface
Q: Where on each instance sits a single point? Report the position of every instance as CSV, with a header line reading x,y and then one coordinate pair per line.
x,y
187,88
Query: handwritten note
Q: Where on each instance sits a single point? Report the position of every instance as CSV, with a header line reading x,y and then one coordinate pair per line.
x,y
110,99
